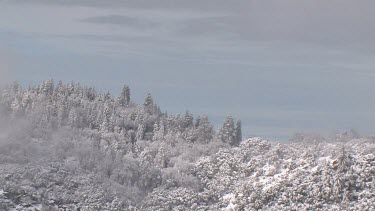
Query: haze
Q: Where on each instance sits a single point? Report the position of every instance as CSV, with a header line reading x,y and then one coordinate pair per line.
x,y
280,66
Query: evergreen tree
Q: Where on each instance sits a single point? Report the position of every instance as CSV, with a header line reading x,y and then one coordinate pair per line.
x,y
159,131
15,87
73,118
125,96
48,87
140,132
161,159
197,122
60,89
107,97
61,114
149,102
238,132
227,133
105,126
188,120
205,131
91,94
108,170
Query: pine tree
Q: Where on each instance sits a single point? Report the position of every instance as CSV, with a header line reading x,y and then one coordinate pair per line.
x,y
159,131
104,126
60,89
140,132
125,96
26,102
73,118
15,87
197,122
91,94
48,87
161,159
107,97
238,132
61,114
148,101
149,104
205,130
188,120
16,107
227,133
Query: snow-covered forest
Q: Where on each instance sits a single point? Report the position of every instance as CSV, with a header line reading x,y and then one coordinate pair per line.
x,y
67,146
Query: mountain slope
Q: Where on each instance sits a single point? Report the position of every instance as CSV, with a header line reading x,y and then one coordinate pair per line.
x,y
71,147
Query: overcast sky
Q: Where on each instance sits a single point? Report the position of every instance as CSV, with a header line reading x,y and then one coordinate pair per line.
x,y
280,66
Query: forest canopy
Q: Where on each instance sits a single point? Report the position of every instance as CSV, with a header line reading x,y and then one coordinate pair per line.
x,y
69,146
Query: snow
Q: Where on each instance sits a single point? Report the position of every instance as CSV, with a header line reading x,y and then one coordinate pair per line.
x,y
92,153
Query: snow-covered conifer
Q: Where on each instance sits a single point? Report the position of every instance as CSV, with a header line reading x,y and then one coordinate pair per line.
x,y
124,98
227,133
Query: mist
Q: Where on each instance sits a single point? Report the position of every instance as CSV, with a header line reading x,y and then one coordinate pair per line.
x,y
282,67
187,105
4,69
67,145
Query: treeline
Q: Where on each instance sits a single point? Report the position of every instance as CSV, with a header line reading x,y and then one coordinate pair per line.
x,y
51,107
70,147
125,151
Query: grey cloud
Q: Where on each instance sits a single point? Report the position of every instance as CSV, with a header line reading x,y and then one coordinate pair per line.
x,y
106,38
338,24
209,26
291,54
332,24
121,20
202,5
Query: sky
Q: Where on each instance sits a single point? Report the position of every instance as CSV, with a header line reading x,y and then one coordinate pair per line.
x,y
280,66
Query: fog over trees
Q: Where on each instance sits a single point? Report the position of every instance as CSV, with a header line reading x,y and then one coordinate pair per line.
x,y
67,146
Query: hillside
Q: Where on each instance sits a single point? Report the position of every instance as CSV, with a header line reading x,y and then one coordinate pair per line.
x,y
68,146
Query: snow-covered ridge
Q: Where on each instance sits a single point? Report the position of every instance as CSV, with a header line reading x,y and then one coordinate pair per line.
x,y
69,147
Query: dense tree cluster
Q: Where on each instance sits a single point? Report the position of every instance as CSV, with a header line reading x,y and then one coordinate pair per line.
x,y
68,146
75,106
130,148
